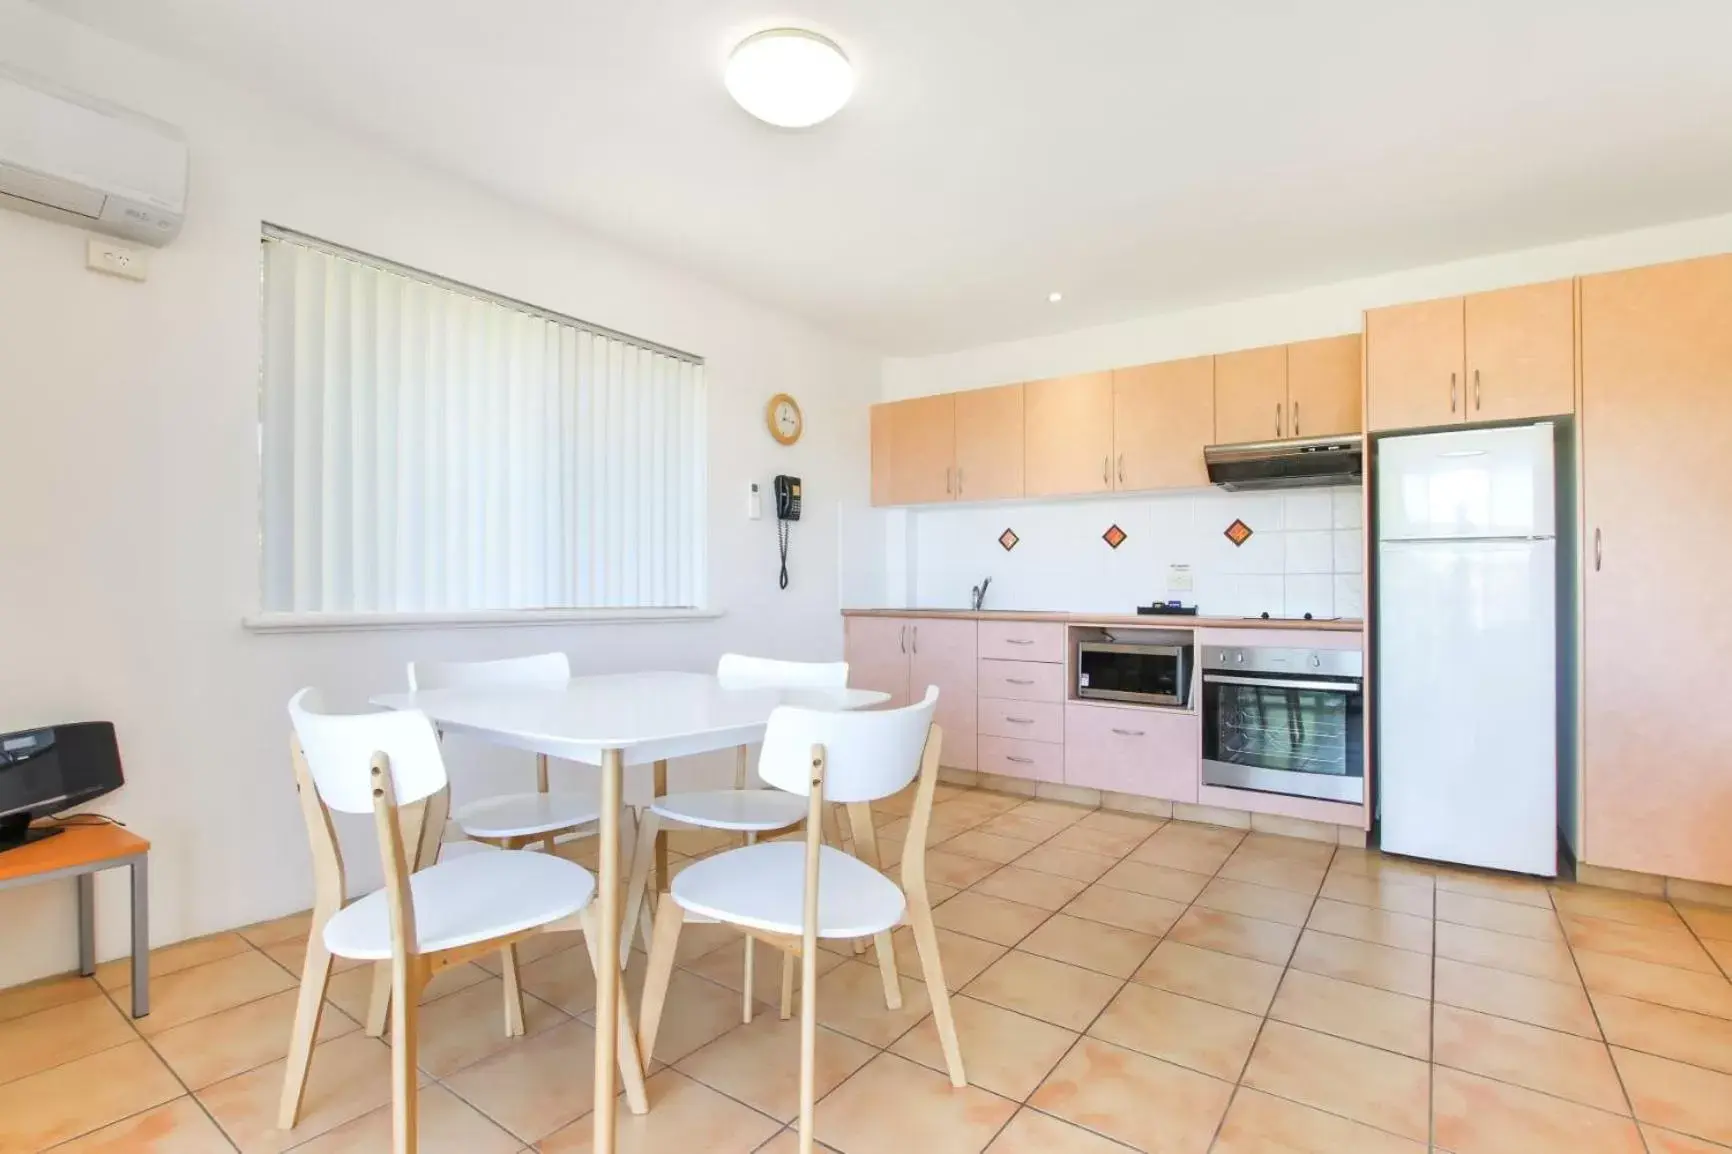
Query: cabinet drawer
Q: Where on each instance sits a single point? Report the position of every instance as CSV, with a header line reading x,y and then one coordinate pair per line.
x,y
1034,760
1022,640
1027,720
1142,751
1022,680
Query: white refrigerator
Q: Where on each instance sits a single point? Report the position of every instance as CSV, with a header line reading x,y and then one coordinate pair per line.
x,y
1466,661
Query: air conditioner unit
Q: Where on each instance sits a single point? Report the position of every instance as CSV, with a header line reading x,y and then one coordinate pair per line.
x,y
72,158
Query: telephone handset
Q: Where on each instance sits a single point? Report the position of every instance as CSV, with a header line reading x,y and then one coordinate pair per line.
x,y
787,511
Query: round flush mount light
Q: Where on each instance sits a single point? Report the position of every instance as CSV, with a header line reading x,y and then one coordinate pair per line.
x,y
1054,298
789,77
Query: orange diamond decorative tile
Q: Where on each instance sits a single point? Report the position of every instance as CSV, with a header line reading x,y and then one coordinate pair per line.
x,y
1008,539
1238,532
1114,536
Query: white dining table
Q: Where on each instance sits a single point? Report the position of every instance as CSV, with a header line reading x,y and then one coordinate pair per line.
x,y
614,721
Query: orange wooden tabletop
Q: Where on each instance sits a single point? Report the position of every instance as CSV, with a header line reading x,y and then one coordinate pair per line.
x,y
78,845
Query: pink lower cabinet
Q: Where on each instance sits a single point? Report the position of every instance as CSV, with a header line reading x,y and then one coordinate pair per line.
x,y
877,652
1149,752
941,652
1010,757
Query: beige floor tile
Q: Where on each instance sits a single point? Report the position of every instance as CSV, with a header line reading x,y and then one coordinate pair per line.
x,y
1140,912
532,949
1371,864
894,1106
953,869
1376,1017
987,846
788,1142
1677,1096
351,990
1224,979
1369,924
1668,1142
1067,863
1707,921
1666,985
86,1094
1157,881
292,956
1031,887
45,994
1022,827
1563,1065
963,958
989,918
696,1013
350,1076
1252,938
448,1125
1198,1035
1394,894
759,1064
1042,988
1256,901
1661,946
537,1087
1367,1085
683,1115
179,1127
1554,1005
1141,1101
165,960
1310,851
1479,1116
726,966
1032,1132
221,1045
60,1034
1698,1039
465,1027
1721,952
1518,955
220,985
1182,853
1056,812
1270,870
1369,964
1002,1051
1110,821
851,999
1091,945
1084,838
278,930
1259,1123
1612,906
1496,887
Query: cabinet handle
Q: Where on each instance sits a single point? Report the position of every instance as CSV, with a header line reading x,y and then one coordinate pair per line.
x,y
1476,390
917,639
1121,468
947,480
1295,418
959,480
902,638
1277,420
1019,640
1106,470
1452,392
1129,732
1019,760
1020,680
1596,550
1020,720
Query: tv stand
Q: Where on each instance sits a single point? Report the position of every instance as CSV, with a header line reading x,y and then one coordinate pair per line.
x,y
15,831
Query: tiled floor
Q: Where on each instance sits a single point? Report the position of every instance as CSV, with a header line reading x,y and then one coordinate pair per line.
x,y
1122,983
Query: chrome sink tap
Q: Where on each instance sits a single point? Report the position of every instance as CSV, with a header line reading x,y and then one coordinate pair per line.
x,y
977,595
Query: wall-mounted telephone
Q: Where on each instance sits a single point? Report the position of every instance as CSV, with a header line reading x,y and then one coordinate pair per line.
x,y
787,511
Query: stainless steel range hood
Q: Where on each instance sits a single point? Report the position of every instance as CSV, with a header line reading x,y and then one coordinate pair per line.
x,y
1287,464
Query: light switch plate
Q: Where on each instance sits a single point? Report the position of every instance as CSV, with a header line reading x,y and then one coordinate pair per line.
x,y
105,254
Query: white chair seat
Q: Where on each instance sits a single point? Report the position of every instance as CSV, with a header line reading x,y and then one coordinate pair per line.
x,y
759,810
468,899
763,886
527,814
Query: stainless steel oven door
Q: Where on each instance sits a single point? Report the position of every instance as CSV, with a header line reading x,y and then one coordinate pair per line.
x,y
1300,736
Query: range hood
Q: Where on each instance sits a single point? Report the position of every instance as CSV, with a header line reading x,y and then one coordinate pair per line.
x,y
1287,464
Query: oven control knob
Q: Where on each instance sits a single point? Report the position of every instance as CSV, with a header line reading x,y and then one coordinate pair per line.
x,y
1316,662
1239,658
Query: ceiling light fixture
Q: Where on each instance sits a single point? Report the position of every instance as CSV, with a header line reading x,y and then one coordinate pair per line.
x,y
1054,297
789,77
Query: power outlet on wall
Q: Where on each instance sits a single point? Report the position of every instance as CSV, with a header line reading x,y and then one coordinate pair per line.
x,y
105,254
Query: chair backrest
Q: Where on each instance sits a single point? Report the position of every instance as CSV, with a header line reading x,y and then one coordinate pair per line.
x,y
868,754
539,669
339,750
740,672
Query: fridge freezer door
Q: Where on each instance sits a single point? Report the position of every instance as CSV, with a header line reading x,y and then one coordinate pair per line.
x,y
1467,702
1471,483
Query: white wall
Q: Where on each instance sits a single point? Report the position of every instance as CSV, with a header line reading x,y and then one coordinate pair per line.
x,y
130,518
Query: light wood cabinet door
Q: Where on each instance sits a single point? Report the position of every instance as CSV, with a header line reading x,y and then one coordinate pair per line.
x,y
1323,387
1414,365
1068,435
989,444
1521,352
1656,446
923,450
941,652
883,421
1251,396
1163,416
876,649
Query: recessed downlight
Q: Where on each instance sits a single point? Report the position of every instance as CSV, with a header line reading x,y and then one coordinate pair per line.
x,y
789,77
1054,298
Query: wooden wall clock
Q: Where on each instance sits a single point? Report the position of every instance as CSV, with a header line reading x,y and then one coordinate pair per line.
x,y
783,417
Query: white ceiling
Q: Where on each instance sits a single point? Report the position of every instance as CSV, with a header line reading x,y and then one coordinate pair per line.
x,y
1137,154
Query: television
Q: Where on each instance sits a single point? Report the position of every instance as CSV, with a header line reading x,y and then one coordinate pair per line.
x,y
45,771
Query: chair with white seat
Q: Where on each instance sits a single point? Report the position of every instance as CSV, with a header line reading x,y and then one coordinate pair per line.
x,y
422,921
792,893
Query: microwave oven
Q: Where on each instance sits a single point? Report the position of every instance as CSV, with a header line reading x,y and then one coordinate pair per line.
x,y
1146,674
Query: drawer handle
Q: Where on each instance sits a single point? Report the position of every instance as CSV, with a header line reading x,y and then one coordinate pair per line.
x,y
1129,732
1020,680
1019,760
1020,640
1020,720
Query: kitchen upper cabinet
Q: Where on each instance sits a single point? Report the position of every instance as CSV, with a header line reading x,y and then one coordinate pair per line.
x,y
1656,462
914,448
1414,364
1068,435
883,433
876,649
1163,416
1251,396
1323,387
942,652
1521,352
989,444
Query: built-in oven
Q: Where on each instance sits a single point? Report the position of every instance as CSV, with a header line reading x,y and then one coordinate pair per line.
x,y
1147,673
1285,721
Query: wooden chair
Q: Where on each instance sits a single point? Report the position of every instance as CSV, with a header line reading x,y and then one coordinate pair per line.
x,y
792,893
389,765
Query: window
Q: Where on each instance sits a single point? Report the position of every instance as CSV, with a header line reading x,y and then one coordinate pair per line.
x,y
431,448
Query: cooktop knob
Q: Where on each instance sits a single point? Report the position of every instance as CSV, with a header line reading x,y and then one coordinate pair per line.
x,y
1316,662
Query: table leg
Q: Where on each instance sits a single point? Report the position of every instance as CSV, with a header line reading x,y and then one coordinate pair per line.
x,y
607,992
661,790
86,923
140,937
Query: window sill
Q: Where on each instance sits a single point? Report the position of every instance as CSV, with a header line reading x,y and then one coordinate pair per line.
x,y
467,619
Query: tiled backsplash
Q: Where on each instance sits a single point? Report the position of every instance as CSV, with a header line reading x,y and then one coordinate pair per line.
x,y
1304,554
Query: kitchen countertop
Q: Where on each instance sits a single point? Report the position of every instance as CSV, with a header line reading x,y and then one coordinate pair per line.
x,y
1158,621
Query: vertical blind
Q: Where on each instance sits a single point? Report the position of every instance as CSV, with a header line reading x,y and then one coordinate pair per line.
x,y
427,448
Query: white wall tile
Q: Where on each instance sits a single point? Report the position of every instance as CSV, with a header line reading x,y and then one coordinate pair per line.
x,y
1309,509
1348,504
1253,594
1309,552
1349,550
1350,595
1309,593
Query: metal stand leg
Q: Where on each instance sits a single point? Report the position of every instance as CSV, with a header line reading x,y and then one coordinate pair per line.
x,y
86,923
140,937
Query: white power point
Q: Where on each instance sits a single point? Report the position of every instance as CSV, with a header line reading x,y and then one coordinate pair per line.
x,y
754,503
105,254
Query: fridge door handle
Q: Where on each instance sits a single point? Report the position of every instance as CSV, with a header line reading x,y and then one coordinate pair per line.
x,y
1596,550
1452,392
